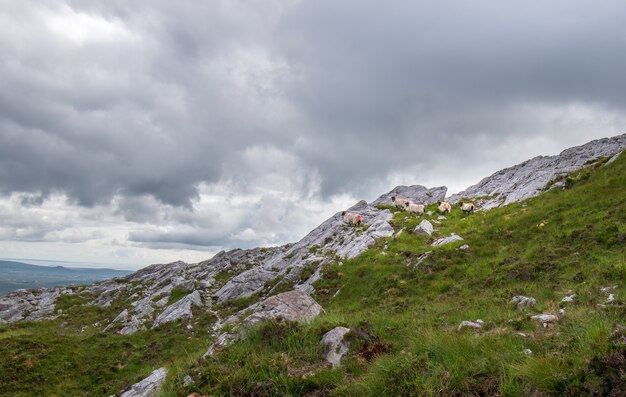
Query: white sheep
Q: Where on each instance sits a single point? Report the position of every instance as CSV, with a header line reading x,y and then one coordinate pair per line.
x,y
467,207
351,218
415,208
444,206
400,202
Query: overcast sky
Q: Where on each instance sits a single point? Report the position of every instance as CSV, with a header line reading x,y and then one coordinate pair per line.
x,y
136,132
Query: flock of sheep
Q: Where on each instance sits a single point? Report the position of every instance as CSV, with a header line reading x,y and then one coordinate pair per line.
x,y
352,218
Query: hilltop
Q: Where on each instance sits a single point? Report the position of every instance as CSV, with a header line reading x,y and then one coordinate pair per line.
x,y
407,293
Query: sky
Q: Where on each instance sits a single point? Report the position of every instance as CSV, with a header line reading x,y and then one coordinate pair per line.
x,y
139,132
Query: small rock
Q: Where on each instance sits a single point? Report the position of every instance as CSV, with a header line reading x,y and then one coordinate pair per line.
x,y
606,290
464,247
187,380
441,217
561,311
610,299
569,298
425,228
447,240
527,352
335,345
523,301
399,232
546,319
471,324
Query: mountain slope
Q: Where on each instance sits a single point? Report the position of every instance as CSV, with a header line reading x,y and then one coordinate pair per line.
x,y
401,297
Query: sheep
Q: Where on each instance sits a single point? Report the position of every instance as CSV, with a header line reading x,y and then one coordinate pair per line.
x,y
467,207
399,202
444,206
416,208
351,218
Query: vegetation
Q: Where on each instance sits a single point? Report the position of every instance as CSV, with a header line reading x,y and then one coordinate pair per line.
x,y
403,300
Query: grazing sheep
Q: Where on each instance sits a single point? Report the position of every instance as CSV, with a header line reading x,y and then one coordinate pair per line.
x,y
399,202
415,208
467,207
444,206
351,218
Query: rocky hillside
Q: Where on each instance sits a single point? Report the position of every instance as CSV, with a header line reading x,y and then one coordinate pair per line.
x,y
217,309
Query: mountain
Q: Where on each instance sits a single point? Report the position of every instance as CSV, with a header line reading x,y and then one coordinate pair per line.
x,y
17,275
522,297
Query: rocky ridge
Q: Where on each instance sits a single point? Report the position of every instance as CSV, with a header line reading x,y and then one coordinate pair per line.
x,y
531,177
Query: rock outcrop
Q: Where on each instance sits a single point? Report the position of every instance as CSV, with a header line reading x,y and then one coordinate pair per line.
x,y
531,177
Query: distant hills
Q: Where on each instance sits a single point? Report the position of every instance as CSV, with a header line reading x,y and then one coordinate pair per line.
x,y
16,275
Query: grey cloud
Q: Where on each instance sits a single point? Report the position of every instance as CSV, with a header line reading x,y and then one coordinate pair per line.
x,y
295,101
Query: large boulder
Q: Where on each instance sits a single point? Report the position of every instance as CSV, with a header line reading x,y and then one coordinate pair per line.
x,y
416,193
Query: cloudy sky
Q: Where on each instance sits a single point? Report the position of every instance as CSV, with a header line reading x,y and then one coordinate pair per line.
x,y
135,132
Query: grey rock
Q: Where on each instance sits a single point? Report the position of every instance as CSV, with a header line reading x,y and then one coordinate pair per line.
x,y
522,302
546,318
527,352
148,387
568,298
464,247
611,298
425,228
441,217
187,380
471,324
447,240
529,178
291,306
245,284
416,193
335,345
180,310
133,325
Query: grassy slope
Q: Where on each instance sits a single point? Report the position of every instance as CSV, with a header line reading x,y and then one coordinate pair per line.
x,y
405,316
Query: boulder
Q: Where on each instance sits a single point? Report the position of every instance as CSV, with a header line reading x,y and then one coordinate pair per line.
x,y
291,306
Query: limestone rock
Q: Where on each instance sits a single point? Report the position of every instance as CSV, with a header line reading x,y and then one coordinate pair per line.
x,y
425,228
521,301
416,193
291,306
336,348
148,387
568,298
180,310
471,324
447,240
